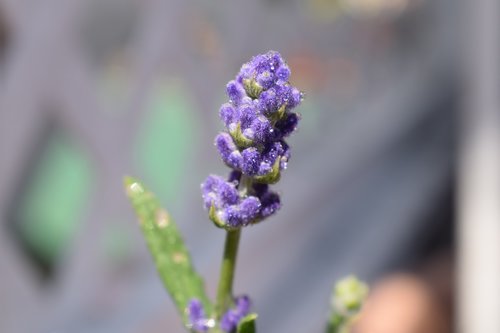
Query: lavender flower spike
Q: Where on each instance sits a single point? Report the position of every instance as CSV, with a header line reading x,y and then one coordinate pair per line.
x,y
258,118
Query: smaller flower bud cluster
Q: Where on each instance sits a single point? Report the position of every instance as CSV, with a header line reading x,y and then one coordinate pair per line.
x,y
232,317
227,208
198,322
258,118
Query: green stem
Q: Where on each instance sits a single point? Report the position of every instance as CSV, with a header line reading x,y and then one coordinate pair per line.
x,y
225,290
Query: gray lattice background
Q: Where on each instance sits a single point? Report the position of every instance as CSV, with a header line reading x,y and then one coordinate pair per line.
x,y
93,90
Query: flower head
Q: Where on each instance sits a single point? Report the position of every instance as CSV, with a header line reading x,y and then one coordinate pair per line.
x,y
258,118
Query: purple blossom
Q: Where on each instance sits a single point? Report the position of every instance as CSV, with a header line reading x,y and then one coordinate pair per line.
x,y
232,317
283,72
287,125
266,69
251,161
261,89
245,212
219,193
228,114
269,200
243,304
228,151
235,92
196,315
227,207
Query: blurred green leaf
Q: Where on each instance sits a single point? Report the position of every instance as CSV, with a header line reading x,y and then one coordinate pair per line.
x,y
247,324
50,210
169,253
165,144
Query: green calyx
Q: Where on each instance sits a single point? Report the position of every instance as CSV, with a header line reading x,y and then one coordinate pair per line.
x,y
278,115
252,88
272,177
239,139
212,215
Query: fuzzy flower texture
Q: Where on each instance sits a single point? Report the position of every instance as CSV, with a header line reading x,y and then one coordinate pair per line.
x,y
258,118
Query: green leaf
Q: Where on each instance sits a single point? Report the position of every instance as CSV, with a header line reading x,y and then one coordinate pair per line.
x,y
165,244
247,324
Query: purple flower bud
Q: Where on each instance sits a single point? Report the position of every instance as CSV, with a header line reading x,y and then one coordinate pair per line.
x,y
228,206
269,200
228,151
265,69
197,320
225,145
277,150
283,72
268,102
297,96
249,209
229,321
251,161
235,92
234,177
242,214
243,304
265,79
232,317
270,204
287,125
247,113
219,193
228,114
261,129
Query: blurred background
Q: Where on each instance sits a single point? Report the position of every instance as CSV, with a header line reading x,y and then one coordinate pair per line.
x,y
394,174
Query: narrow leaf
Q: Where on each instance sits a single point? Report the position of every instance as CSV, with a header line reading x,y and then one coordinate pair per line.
x,y
165,244
247,324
